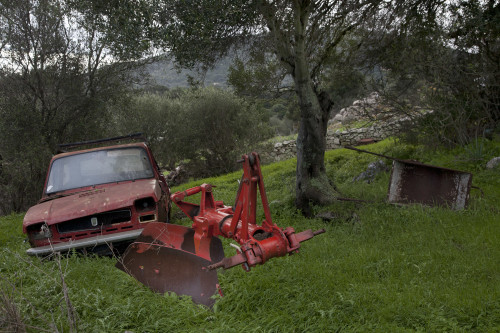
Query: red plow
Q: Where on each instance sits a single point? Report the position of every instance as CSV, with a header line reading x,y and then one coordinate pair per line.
x,y
174,258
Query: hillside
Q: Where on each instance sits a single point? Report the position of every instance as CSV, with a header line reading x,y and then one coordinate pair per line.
x,y
162,73
378,267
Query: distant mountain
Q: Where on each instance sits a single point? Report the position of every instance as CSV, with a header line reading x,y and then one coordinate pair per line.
x,y
162,73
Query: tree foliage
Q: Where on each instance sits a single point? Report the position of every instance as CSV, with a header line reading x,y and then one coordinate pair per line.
x,y
444,57
56,79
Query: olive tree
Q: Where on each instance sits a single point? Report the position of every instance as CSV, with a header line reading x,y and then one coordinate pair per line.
x,y
299,38
56,80
301,35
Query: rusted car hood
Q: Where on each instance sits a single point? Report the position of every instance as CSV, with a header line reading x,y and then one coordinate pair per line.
x,y
105,198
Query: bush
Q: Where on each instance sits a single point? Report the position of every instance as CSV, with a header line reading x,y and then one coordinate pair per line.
x,y
207,128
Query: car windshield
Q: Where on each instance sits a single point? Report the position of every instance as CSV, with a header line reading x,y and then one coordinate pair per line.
x,y
98,167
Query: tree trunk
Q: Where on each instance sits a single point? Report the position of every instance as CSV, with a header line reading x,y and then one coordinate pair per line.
x,y
312,183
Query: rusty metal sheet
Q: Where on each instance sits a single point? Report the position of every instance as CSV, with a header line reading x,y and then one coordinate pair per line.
x,y
164,259
164,269
414,182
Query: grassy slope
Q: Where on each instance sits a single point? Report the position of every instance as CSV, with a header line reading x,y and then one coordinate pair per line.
x,y
379,267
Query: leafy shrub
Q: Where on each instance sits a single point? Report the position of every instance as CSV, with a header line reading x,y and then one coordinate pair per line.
x,y
207,128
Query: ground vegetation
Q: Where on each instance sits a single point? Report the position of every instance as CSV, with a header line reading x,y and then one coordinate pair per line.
x,y
378,266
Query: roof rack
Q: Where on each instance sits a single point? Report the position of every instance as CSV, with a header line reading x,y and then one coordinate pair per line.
x,y
134,136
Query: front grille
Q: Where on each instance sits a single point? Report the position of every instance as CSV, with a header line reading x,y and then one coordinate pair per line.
x,y
100,220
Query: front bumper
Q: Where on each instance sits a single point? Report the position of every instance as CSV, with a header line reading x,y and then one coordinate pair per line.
x,y
86,242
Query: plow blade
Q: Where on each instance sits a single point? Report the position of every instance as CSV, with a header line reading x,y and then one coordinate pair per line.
x,y
164,259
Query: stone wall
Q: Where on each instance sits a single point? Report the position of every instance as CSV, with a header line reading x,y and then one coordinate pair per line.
x,y
338,139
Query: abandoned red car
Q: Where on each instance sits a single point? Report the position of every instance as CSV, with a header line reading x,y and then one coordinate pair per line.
x,y
97,199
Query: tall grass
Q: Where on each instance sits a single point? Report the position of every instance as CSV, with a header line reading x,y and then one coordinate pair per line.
x,y
379,267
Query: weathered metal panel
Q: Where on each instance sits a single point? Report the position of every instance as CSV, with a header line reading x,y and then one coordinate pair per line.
x,y
414,182
164,259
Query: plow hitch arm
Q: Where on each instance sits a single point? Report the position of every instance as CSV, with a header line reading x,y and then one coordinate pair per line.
x,y
254,253
257,243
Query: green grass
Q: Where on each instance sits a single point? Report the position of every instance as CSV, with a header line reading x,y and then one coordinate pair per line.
x,y
281,138
379,267
354,125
